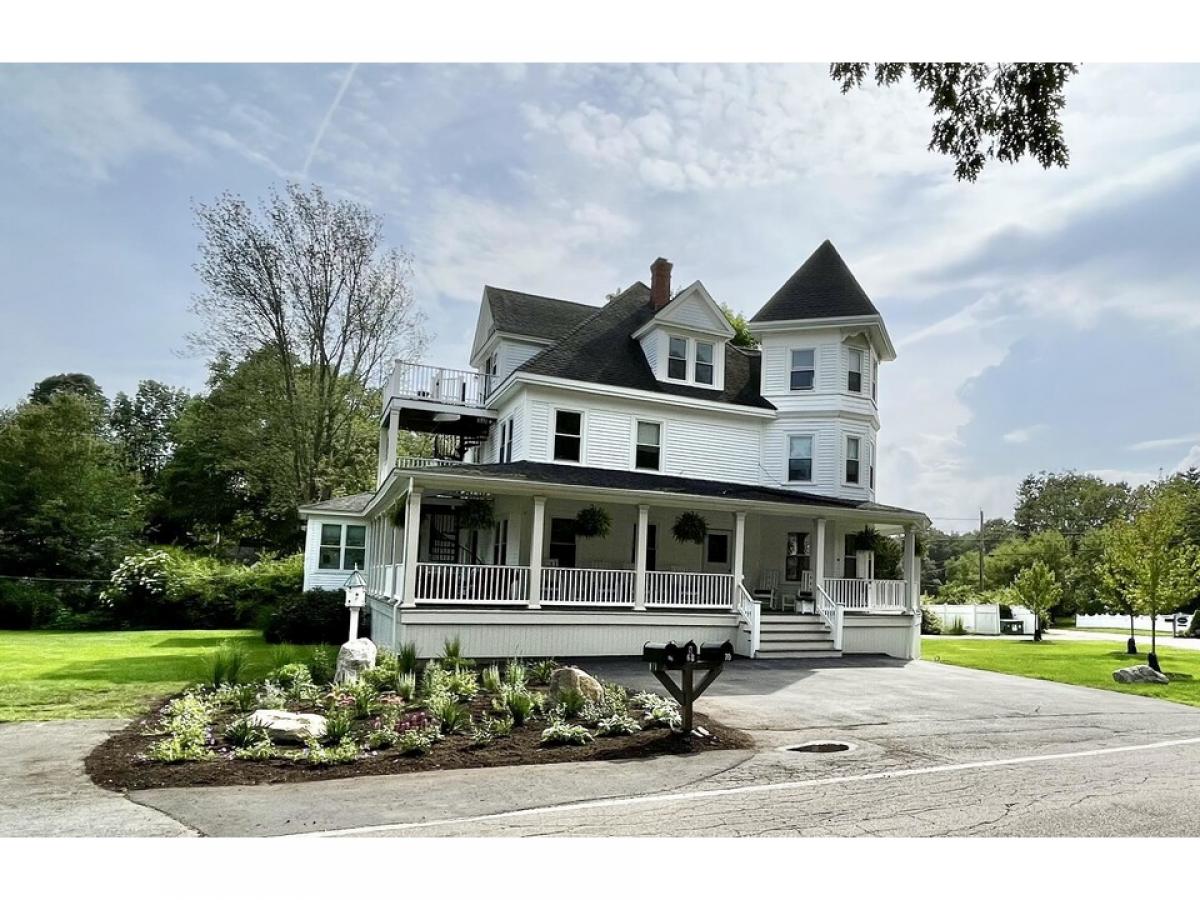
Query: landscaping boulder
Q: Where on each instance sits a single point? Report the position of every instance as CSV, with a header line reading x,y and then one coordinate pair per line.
x,y
353,659
285,727
1140,675
571,678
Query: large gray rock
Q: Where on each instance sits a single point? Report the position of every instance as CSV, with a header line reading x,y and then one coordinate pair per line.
x,y
285,727
1140,675
353,659
564,680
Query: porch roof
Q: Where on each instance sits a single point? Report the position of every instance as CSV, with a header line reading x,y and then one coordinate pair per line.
x,y
532,475
351,504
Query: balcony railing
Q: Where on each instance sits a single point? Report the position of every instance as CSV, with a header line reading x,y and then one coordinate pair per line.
x,y
422,462
451,387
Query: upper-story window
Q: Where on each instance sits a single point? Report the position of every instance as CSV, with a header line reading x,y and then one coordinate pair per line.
x,y
874,378
677,358
803,370
568,435
855,375
852,454
800,457
647,452
504,451
871,465
342,547
704,362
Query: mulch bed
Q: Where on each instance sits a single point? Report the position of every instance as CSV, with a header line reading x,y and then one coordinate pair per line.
x,y
117,764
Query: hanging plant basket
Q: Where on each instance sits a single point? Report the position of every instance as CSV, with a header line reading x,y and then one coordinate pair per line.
x,y
690,528
593,521
867,539
476,514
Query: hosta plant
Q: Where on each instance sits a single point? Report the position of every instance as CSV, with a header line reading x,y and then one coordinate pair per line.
x,y
416,741
562,733
617,725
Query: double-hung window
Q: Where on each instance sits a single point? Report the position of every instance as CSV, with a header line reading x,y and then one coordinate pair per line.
x,y
704,362
874,378
647,452
798,559
342,547
800,458
677,361
871,465
504,451
852,454
854,378
568,435
803,370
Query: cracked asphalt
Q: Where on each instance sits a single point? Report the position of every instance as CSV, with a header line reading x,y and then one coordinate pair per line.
x,y
938,751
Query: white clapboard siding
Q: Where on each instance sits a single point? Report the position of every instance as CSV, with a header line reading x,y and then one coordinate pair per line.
x,y
609,437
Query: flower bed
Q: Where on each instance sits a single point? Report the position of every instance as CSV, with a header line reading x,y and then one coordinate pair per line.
x,y
401,716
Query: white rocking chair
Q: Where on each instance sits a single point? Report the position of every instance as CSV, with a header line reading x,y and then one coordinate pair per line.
x,y
768,588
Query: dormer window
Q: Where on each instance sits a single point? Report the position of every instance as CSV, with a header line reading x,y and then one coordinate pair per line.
x,y
677,359
803,370
704,362
854,378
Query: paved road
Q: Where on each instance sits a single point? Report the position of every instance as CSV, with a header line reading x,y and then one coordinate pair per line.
x,y
44,791
938,750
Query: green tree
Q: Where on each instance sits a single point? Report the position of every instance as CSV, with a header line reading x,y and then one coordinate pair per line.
x,y
76,383
982,111
1037,589
143,426
1149,561
742,336
305,287
67,506
1068,502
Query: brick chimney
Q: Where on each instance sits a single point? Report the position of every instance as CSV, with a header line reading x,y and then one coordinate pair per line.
x,y
660,283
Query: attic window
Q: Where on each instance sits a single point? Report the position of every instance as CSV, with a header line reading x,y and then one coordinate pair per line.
x,y
704,362
677,359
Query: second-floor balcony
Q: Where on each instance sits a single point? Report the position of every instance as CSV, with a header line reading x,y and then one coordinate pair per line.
x,y
439,385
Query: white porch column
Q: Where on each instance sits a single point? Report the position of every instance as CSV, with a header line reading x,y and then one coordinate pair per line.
x,y
639,560
536,538
412,545
819,557
393,446
739,552
912,574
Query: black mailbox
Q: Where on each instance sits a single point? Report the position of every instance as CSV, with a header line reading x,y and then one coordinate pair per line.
x,y
670,653
714,652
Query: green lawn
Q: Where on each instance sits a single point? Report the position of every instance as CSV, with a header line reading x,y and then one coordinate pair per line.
x,y
1087,663
103,674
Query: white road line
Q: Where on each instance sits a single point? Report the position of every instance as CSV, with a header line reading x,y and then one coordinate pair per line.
x,y
642,799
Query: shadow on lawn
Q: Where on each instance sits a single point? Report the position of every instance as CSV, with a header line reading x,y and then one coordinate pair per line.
x,y
133,669
206,640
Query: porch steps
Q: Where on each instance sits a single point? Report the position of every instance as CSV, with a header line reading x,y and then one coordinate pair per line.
x,y
795,637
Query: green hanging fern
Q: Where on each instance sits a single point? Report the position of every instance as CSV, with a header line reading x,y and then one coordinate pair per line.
x,y
593,521
476,513
690,528
867,539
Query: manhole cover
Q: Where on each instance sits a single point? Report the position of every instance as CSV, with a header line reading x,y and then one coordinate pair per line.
x,y
820,747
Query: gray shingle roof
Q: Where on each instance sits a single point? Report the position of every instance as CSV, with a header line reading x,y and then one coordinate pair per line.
x,y
581,476
602,350
538,317
354,503
824,287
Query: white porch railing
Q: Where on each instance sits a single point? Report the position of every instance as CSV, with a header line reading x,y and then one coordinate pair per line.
x,y
601,587
831,613
689,589
749,611
454,583
867,594
422,462
456,387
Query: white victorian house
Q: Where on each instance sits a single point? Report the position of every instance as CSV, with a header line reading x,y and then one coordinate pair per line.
x,y
585,437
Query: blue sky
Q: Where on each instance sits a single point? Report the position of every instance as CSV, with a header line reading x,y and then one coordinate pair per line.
x,y
1043,319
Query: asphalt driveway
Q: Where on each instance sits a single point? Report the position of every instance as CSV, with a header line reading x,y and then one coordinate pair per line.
x,y
936,750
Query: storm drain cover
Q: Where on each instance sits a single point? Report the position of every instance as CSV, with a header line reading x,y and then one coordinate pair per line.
x,y
820,747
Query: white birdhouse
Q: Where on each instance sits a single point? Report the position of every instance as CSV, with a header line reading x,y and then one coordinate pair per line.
x,y
356,598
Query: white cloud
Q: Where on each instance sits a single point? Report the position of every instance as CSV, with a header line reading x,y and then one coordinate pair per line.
x,y
1161,443
1190,461
1023,435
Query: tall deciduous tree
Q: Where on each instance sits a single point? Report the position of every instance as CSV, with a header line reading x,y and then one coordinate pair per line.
x,y
1150,561
1068,502
143,426
306,285
1037,589
67,506
982,111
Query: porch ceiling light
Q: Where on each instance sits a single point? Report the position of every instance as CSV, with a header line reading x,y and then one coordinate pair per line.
x,y
446,417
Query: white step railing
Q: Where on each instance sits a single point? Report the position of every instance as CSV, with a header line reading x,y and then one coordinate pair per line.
x,y
697,590
455,387
867,594
749,611
600,587
831,614
454,583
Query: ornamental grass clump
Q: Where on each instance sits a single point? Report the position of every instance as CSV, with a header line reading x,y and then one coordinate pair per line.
x,y
338,725
241,733
518,703
491,680
571,703
225,664
406,657
239,697
405,686
452,656
452,716
515,674
540,671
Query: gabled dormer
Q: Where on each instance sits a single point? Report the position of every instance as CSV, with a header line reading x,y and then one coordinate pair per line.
x,y
684,340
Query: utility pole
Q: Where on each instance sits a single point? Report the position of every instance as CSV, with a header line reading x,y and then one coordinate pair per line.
x,y
981,551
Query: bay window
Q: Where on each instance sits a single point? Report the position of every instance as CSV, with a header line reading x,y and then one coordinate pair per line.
x,y
800,448
854,379
852,453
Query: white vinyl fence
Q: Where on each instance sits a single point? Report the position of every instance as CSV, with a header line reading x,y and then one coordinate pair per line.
x,y
978,618
1141,623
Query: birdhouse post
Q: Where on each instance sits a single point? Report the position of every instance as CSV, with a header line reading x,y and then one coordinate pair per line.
x,y
356,598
